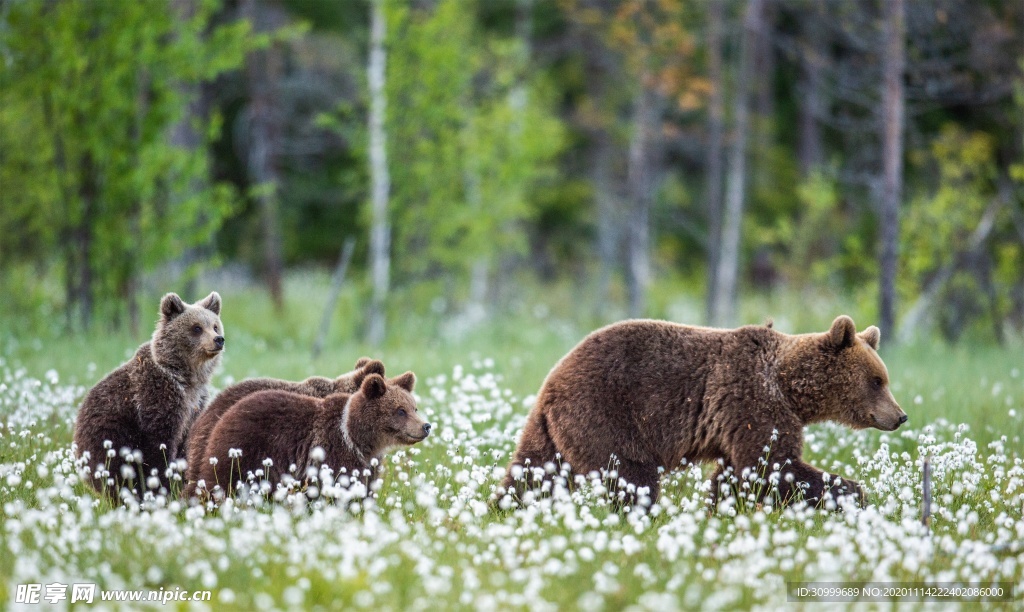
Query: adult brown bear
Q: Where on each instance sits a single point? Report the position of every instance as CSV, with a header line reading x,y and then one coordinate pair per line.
x,y
642,394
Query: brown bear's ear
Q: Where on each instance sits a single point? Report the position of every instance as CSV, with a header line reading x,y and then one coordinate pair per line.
x,y
842,333
362,361
212,303
406,381
871,335
373,386
171,306
370,367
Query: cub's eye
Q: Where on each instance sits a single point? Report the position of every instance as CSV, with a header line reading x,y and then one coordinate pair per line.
x,y
215,328
877,382
196,329
401,412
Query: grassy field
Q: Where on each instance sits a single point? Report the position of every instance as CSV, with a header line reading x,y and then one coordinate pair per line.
x,y
429,540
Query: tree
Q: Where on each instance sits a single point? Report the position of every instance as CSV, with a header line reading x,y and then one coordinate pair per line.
x,y
95,87
472,137
893,60
652,47
264,70
713,180
727,272
380,231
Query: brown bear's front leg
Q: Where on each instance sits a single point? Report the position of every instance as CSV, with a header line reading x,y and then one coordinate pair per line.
x,y
781,453
811,482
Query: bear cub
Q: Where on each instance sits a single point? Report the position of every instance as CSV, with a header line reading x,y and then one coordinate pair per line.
x,y
131,425
314,386
640,395
296,432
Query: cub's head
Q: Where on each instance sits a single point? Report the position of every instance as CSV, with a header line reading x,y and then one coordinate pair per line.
x,y
188,334
855,382
386,412
351,382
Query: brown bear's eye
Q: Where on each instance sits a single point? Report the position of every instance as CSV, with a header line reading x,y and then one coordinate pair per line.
x,y
197,329
877,382
401,412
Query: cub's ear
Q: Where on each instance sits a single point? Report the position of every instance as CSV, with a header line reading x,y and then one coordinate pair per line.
x,y
171,306
372,366
362,361
373,386
406,381
212,303
842,333
871,335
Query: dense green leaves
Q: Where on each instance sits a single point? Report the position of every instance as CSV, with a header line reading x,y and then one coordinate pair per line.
x,y
89,94
470,132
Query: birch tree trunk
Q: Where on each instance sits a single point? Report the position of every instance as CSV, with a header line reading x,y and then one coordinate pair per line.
x,y
380,230
727,272
893,65
716,113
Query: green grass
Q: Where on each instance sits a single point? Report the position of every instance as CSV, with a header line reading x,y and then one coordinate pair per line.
x,y
429,540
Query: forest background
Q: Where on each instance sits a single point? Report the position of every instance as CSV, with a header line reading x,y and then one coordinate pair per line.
x,y
659,158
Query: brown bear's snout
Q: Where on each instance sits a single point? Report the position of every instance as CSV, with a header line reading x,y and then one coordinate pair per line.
x,y
219,341
426,429
889,417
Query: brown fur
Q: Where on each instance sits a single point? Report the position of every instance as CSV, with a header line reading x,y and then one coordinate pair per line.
x,y
651,393
314,386
285,427
150,400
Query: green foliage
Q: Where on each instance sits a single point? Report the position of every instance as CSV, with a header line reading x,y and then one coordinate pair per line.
x,y
939,226
470,137
88,96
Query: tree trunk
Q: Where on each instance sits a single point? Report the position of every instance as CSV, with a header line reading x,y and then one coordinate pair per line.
x,y
87,193
727,272
716,113
263,70
380,231
893,64
811,88
607,218
641,196
184,135
762,73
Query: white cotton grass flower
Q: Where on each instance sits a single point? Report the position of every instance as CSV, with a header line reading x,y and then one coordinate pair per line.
x,y
434,517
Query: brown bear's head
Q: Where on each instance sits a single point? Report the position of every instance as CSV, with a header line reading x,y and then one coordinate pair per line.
x,y
839,376
383,414
188,335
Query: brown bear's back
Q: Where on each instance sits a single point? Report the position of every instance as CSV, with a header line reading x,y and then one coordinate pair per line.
x,y
640,387
264,424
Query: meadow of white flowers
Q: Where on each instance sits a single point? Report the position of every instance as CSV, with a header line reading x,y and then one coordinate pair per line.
x,y
429,537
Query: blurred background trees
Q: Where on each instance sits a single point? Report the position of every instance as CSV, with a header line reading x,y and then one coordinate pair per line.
x,y
626,148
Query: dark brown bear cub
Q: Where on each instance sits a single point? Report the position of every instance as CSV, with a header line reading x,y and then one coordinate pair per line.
x,y
646,394
341,431
142,409
314,386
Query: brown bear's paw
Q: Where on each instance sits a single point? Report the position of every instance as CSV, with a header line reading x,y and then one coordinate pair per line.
x,y
838,494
